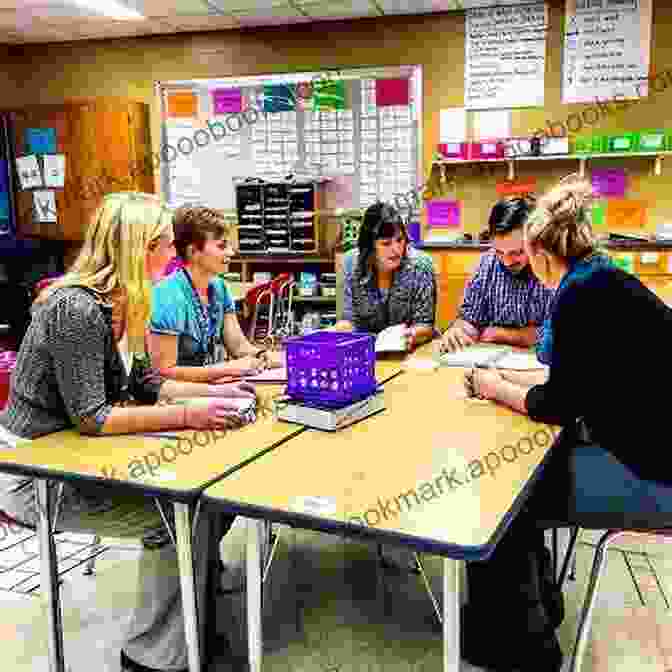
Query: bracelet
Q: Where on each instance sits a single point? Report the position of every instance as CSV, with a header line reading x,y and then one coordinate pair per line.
x,y
184,422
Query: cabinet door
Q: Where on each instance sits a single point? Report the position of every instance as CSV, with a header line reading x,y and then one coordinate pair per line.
x,y
43,116
105,143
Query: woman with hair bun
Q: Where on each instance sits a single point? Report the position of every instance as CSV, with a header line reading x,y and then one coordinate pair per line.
x,y
607,388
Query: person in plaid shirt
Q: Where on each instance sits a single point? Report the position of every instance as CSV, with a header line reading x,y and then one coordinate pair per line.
x,y
503,301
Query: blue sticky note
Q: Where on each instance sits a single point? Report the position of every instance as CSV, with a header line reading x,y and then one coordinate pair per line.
x,y
4,205
41,141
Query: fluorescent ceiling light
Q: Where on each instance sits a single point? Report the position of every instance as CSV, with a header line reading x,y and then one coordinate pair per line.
x,y
111,8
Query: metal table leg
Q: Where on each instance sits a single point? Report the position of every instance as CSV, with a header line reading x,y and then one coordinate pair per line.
x,y
255,535
49,578
185,560
451,615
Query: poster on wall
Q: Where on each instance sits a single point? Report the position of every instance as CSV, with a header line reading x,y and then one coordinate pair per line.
x,y
505,56
606,50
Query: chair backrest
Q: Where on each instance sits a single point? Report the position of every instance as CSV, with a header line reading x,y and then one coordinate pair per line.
x,y
259,294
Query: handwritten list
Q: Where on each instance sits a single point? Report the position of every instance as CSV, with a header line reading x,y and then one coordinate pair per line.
x,y
505,56
606,50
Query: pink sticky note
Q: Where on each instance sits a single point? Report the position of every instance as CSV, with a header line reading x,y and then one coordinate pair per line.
x,y
339,192
443,214
227,101
392,92
608,182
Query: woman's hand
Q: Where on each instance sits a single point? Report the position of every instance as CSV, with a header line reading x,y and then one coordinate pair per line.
x,y
244,366
274,360
215,414
486,383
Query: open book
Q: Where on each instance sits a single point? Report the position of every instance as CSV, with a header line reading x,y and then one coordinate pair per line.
x,y
392,339
498,357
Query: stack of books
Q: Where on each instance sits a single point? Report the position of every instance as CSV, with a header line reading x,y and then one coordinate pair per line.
x,y
328,419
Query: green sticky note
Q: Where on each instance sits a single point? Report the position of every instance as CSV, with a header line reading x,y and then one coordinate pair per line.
x,y
598,214
329,95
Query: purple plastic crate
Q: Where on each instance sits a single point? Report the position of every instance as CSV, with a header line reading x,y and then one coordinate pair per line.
x,y
331,369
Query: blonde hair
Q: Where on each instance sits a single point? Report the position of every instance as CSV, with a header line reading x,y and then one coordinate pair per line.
x,y
560,224
112,258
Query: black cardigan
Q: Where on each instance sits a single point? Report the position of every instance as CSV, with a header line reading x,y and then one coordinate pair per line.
x,y
612,365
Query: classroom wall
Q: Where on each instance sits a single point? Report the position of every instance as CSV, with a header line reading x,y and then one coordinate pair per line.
x,y
128,68
8,87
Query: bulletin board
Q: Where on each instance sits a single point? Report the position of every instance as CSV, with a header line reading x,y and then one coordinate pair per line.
x,y
359,127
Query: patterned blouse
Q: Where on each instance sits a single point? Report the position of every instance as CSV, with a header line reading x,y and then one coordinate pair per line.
x,y
495,297
69,371
411,299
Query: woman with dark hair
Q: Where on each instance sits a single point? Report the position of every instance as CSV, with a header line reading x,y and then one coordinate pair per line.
x,y
386,281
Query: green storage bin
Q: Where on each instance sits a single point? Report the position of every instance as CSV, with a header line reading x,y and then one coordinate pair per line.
x,y
581,144
625,142
654,141
589,144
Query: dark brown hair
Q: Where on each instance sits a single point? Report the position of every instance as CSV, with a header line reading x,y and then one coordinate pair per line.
x,y
192,224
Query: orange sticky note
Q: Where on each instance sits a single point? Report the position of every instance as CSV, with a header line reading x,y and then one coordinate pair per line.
x,y
182,104
625,213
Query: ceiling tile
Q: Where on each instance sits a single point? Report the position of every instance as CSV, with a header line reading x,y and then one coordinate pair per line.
x,y
338,8
415,6
277,11
175,8
260,21
180,23
249,6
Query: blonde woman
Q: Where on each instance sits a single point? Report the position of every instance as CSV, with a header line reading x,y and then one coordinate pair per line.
x,y
72,371
194,322
607,388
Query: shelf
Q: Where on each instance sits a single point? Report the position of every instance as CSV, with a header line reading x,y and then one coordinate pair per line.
x,y
581,158
314,299
298,258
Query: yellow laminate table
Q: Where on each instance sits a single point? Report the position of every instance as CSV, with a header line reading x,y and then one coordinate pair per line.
x,y
178,470
435,471
175,468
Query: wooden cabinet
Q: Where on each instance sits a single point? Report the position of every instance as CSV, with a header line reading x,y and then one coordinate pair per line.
x,y
454,268
107,148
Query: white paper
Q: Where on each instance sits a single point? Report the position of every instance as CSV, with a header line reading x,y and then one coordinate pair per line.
x,y
452,125
476,355
44,206
498,357
606,50
392,339
505,56
492,124
54,170
319,506
29,172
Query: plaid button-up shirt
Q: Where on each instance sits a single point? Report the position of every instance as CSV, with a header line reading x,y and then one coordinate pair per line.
x,y
495,297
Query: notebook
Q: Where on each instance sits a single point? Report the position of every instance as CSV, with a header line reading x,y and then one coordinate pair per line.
x,y
498,357
392,339
245,407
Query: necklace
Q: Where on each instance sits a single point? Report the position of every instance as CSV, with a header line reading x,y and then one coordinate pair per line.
x,y
207,318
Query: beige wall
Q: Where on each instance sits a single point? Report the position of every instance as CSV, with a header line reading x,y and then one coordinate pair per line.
x,y
8,69
128,68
